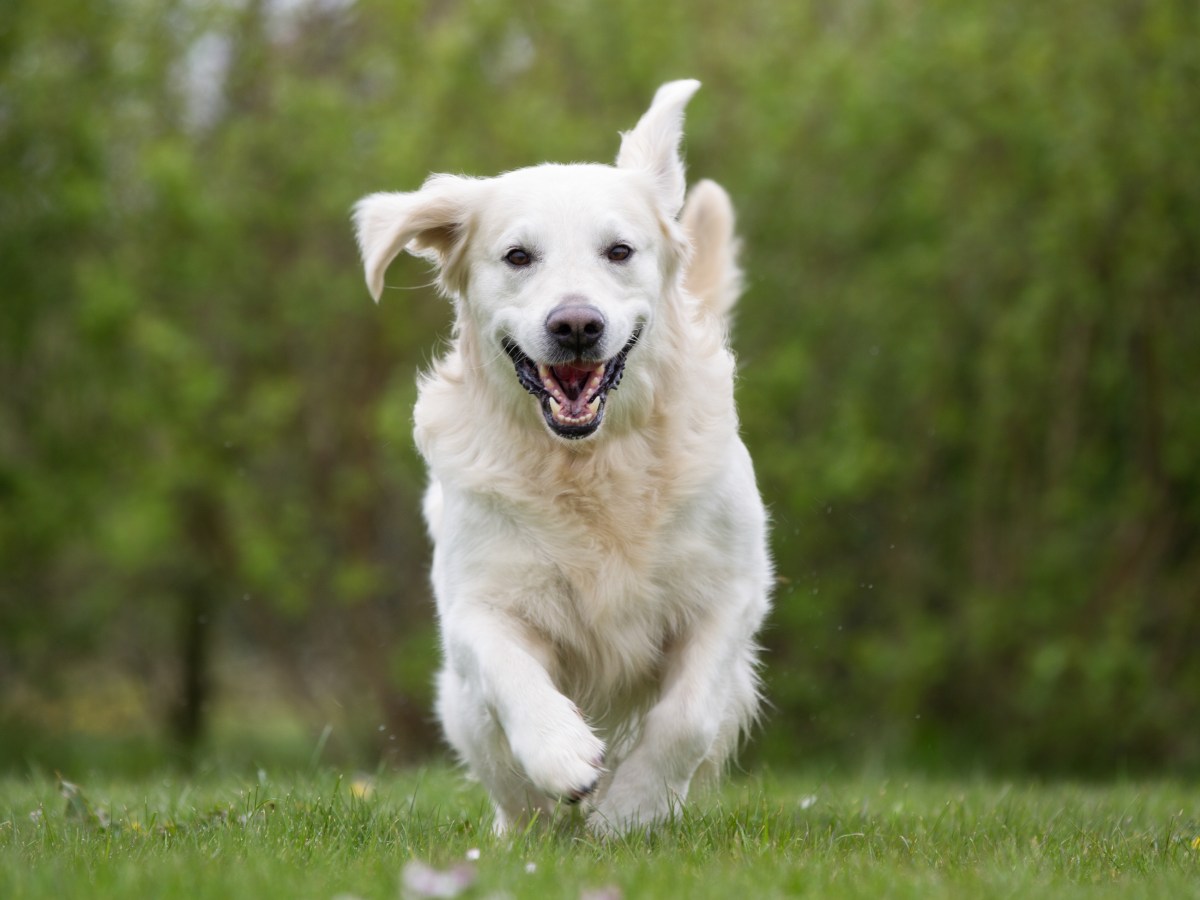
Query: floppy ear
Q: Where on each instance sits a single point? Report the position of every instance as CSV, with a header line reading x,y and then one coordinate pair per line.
x,y
653,144
430,222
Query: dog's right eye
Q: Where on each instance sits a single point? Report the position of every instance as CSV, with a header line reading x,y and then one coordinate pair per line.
x,y
518,257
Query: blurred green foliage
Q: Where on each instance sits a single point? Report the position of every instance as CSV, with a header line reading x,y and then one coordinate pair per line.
x,y
968,348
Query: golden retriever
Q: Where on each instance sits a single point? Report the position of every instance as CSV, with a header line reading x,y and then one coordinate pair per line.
x,y
600,562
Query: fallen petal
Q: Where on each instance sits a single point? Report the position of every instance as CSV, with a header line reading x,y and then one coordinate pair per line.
x,y
609,892
422,880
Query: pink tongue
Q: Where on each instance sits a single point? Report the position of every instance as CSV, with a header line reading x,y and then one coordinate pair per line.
x,y
571,379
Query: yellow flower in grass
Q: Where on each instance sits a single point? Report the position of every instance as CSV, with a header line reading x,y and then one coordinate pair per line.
x,y
1196,843
362,788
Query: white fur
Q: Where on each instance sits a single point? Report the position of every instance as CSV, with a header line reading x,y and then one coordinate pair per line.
x,y
598,598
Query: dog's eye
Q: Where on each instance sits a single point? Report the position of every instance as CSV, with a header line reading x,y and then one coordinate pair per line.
x,y
518,257
619,252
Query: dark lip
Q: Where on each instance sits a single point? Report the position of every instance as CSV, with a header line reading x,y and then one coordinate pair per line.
x,y
527,376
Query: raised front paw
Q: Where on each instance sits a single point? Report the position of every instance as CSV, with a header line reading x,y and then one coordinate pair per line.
x,y
561,756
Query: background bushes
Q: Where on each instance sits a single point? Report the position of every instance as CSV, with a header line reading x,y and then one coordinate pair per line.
x,y
968,364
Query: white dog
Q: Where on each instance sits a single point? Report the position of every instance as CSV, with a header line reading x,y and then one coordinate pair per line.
x,y
600,559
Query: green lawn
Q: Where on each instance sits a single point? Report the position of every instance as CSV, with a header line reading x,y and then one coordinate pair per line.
x,y
775,835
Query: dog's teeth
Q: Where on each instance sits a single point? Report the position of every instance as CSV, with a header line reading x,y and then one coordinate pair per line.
x,y
594,406
555,408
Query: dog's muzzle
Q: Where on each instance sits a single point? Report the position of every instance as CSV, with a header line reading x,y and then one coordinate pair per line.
x,y
572,395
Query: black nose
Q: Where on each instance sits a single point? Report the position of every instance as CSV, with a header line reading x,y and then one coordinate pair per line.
x,y
575,327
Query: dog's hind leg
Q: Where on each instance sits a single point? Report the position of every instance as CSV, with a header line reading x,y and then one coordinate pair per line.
x,y
479,741
740,713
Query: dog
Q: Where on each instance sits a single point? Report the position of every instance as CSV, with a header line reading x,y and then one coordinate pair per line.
x,y
600,558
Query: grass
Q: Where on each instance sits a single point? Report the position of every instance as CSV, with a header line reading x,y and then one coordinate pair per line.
x,y
774,835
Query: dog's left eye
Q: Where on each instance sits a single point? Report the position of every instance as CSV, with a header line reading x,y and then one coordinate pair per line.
x,y
619,252
518,257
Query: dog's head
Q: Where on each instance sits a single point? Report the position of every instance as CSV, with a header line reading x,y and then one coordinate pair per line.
x,y
557,270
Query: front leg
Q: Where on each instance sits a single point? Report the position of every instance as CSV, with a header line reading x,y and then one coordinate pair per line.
x,y
499,704
709,697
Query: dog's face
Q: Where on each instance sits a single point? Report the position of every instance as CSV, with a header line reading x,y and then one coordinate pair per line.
x,y
559,268
565,268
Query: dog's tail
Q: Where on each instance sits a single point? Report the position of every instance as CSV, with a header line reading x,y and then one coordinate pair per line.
x,y
713,275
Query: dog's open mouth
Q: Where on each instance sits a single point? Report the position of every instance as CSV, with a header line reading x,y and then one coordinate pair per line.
x,y
572,394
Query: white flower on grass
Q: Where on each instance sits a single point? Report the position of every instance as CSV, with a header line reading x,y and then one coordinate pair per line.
x,y
530,867
422,880
808,802
473,854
